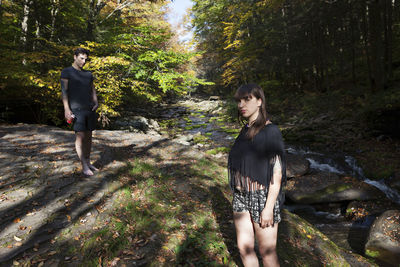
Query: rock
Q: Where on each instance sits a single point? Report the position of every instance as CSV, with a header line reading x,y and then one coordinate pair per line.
x,y
140,123
154,124
184,139
214,98
359,209
153,132
301,244
203,105
323,187
217,111
394,182
383,241
297,165
383,138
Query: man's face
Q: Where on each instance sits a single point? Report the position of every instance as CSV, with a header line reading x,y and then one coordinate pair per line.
x,y
80,60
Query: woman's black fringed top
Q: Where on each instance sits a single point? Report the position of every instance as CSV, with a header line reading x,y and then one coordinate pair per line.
x,y
256,158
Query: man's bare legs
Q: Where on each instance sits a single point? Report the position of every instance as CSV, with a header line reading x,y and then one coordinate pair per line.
x,y
83,150
88,149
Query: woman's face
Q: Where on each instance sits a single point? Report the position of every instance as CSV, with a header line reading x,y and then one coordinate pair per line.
x,y
249,107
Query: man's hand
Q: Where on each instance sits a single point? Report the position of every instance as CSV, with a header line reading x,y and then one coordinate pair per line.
x,y
96,105
68,114
267,218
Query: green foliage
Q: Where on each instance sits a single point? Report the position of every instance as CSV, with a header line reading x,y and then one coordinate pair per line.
x,y
131,57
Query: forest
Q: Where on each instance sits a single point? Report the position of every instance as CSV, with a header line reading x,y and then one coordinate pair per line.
x,y
314,44
330,71
309,48
134,55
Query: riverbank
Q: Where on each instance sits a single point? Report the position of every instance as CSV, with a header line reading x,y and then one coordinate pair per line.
x,y
159,199
155,202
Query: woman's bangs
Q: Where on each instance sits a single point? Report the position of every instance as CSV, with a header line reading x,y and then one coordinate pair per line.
x,y
242,93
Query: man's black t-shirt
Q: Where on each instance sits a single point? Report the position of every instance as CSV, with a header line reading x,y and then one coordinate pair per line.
x,y
79,88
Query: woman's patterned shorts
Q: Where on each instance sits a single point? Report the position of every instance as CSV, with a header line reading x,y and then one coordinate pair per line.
x,y
254,202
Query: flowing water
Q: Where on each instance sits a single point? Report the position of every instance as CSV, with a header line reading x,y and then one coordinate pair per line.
x,y
343,164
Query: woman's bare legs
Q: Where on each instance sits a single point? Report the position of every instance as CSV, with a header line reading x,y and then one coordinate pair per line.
x,y
266,239
245,238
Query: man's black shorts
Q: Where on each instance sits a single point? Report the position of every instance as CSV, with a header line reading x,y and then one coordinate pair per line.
x,y
85,120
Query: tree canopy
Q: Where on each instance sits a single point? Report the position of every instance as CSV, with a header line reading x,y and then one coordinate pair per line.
x,y
133,55
298,43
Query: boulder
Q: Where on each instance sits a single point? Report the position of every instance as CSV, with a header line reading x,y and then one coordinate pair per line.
x,y
394,183
302,244
184,139
154,124
360,209
323,187
138,124
297,165
214,98
383,241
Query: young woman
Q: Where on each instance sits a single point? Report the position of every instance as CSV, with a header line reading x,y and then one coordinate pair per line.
x,y
257,174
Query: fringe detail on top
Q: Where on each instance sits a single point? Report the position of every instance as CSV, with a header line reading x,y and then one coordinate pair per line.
x,y
251,162
243,181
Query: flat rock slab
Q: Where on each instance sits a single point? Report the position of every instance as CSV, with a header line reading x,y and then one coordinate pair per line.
x,y
324,187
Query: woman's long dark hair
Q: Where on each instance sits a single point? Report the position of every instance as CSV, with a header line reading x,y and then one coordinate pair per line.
x,y
253,90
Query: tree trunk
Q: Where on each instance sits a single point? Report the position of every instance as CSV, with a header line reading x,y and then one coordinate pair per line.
x,y
95,7
353,45
388,19
24,28
365,38
24,24
37,35
55,7
376,44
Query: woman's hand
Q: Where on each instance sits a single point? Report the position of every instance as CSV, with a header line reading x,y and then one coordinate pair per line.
x,y
267,218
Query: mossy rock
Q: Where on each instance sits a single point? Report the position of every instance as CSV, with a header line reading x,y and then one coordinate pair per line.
x,y
324,187
229,130
187,128
217,150
198,138
384,238
301,244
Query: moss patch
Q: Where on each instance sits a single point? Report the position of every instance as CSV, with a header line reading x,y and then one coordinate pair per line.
x,y
201,139
217,150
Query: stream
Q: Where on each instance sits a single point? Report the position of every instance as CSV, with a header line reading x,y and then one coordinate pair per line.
x,y
194,119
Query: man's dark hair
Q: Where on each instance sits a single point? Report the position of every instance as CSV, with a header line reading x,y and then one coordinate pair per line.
x,y
81,50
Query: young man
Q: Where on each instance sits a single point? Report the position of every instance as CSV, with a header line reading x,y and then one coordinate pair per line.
x,y
80,104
